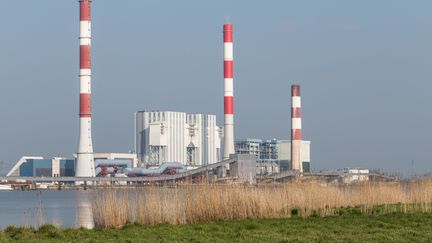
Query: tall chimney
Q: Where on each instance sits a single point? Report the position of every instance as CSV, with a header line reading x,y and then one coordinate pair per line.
x,y
228,91
296,129
85,160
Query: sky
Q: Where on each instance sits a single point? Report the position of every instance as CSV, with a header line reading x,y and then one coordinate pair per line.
x,y
364,68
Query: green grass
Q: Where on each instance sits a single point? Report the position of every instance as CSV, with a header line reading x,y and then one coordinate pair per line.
x,y
396,227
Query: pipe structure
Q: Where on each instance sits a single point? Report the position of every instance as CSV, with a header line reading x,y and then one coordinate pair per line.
x,y
180,168
85,159
228,91
296,129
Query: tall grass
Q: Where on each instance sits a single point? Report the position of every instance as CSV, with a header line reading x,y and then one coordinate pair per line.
x,y
210,202
111,208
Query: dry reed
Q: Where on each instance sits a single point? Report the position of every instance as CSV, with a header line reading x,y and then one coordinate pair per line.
x,y
111,209
210,202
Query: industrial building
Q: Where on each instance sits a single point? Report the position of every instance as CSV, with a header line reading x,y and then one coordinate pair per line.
x,y
38,166
352,175
264,150
130,158
272,155
167,136
111,164
105,163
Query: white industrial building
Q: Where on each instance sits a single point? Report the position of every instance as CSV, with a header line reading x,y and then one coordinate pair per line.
x,y
352,175
167,136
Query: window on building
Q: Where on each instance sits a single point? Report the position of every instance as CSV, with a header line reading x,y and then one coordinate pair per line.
x,y
156,155
192,154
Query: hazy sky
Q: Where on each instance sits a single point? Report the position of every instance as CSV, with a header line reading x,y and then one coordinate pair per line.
x,y
365,68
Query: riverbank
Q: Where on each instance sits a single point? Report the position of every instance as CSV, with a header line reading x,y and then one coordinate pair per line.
x,y
396,227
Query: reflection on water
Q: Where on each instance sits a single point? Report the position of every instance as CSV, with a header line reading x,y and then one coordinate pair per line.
x,y
85,215
68,208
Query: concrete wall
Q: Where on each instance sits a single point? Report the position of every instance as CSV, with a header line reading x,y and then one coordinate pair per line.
x,y
243,167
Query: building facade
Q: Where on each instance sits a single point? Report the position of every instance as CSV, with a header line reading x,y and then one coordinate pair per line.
x,y
272,155
38,166
265,151
166,136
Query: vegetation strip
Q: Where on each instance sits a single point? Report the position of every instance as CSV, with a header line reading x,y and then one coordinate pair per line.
x,y
208,203
396,227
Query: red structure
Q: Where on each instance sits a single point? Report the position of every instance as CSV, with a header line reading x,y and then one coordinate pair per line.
x,y
85,160
228,91
296,129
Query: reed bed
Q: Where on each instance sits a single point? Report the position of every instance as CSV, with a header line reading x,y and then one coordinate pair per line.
x,y
211,202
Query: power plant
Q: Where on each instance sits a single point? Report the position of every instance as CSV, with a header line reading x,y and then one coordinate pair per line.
x,y
191,145
188,168
85,160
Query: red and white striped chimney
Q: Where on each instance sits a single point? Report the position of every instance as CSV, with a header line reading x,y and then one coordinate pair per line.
x,y
85,160
296,129
228,91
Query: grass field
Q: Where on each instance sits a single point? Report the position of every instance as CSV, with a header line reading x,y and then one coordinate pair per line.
x,y
396,227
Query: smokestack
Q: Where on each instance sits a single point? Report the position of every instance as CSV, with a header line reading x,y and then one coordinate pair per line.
x,y
85,163
228,91
296,130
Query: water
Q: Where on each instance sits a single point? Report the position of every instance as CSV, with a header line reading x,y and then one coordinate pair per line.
x,y
67,208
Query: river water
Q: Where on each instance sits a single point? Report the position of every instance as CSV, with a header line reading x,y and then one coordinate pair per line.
x,y
66,208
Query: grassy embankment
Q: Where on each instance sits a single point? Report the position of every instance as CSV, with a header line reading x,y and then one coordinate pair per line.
x,y
208,203
350,227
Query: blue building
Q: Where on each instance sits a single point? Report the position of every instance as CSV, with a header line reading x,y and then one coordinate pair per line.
x,y
38,166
